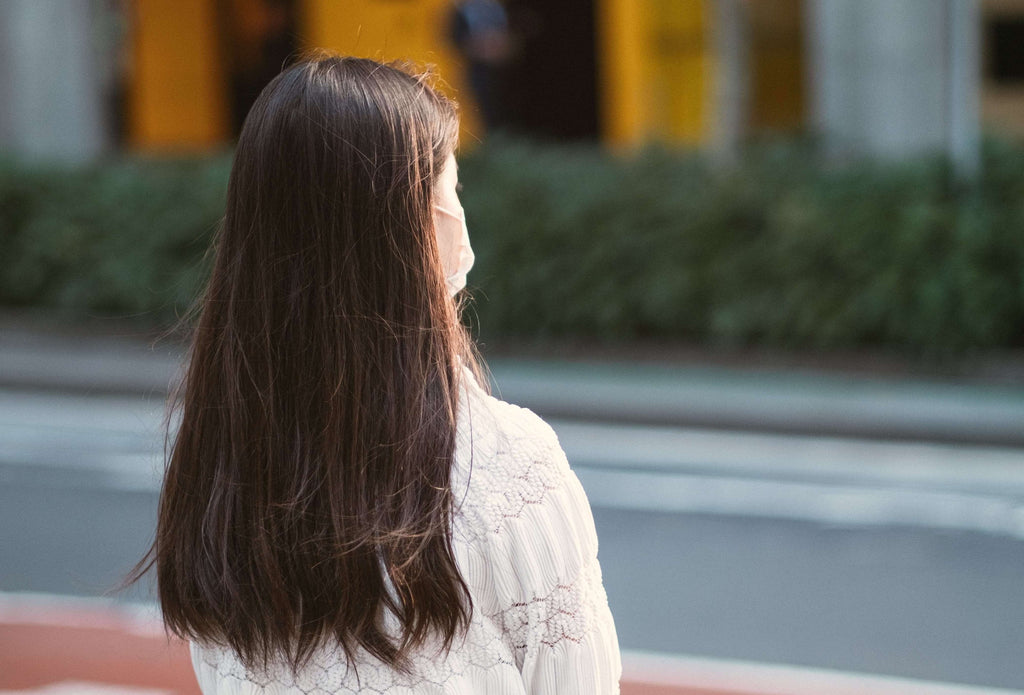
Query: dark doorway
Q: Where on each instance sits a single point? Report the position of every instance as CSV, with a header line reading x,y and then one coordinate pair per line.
x,y
1005,40
257,37
551,85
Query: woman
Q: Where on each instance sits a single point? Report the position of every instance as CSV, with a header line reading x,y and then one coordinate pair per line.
x,y
345,509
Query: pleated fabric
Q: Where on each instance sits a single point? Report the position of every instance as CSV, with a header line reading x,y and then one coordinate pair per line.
x,y
525,542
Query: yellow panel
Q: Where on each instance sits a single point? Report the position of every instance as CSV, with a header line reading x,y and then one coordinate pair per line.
x,y
177,98
621,71
654,64
387,30
677,37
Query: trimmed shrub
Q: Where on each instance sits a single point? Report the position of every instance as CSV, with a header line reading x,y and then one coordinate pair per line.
x,y
575,242
125,238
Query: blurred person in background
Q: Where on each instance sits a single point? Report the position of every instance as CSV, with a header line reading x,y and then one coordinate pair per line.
x,y
345,507
479,29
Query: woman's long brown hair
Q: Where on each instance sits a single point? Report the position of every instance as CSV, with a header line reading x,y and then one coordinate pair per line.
x,y
311,467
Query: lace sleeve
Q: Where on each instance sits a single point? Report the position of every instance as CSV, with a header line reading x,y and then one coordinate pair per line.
x,y
552,605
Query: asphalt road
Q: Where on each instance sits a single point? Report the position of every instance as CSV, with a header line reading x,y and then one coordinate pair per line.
x,y
708,547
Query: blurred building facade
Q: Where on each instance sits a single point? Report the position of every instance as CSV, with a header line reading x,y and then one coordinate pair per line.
x,y
82,77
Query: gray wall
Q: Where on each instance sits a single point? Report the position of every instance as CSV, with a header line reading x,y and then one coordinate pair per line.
x,y
52,104
895,78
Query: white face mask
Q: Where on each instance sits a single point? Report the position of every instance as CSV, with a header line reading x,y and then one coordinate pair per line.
x,y
453,241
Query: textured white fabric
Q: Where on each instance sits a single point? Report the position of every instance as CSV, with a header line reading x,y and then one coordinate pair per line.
x,y
524,540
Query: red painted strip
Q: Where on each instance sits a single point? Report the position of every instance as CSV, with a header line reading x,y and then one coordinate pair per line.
x,y
35,655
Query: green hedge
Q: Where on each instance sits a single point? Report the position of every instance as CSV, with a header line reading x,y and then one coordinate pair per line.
x,y
573,242
123,239
778,251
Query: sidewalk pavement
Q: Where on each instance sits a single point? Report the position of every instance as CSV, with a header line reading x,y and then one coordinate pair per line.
x,y
791,400
54,646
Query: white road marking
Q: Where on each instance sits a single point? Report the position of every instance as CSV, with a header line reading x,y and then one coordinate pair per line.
x,y
827,480
117,442
833,505
824,459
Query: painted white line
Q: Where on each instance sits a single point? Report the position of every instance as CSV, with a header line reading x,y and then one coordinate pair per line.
x,y
744,677
116,443
966,468
130,414
797,501
827,480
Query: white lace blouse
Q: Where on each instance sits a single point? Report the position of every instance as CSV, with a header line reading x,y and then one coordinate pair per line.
x,y
524,540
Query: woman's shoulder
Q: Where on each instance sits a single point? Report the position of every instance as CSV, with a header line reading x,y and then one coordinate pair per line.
x,y
502,438
519,504
511,475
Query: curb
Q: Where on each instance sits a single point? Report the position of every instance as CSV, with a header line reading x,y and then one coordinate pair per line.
x,y
784,402
659,674
799,403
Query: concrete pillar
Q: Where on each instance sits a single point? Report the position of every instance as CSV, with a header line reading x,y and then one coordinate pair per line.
x,y
964,94
51,93
895,79
731,84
